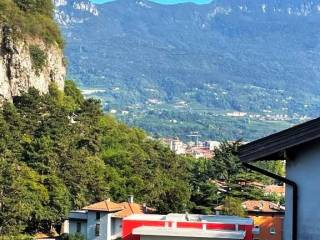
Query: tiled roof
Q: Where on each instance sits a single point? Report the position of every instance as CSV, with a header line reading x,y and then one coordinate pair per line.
x,y
104,206
258,206
275,189
129,209
261,206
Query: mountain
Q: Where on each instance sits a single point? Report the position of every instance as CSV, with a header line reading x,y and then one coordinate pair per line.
x,y
229,69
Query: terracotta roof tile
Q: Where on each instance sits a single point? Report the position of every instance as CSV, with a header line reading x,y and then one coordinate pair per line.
x,y
275,189
257,206
131,208
104,206
261,206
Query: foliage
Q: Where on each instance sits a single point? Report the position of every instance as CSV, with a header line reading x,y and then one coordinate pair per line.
x,y
17,237
60,152
239,184
44,7
31,18
76,236
233,206
38,58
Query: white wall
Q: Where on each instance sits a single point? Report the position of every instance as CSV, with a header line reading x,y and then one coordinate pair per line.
x,y
105,226
116,228
73,227
305,171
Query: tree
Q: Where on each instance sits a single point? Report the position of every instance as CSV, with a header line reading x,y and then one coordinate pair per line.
x,y
233,206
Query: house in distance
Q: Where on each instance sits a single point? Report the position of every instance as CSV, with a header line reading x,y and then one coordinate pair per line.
x,y
102,220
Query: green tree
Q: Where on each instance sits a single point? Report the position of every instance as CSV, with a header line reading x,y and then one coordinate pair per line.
x,y
233,206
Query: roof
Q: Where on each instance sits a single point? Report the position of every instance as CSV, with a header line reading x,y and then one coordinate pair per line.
x,y
129,209
275,189
175,217
187,232
258,206
273,147
104,206
262,206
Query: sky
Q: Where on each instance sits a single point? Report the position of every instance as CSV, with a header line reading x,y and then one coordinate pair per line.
x,y
164,1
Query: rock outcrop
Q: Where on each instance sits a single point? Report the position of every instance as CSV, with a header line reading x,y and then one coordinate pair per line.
x,y
17,70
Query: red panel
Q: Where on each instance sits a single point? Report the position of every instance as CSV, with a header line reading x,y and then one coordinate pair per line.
x,y
129,225
189,225
220,226
248,229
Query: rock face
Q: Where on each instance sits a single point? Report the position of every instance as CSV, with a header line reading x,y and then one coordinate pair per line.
x,y
17,71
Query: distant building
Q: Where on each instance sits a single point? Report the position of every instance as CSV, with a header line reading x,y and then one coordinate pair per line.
x,y
267,219
186,227
102,220
236,114
200,152
279,190
212,145
175,145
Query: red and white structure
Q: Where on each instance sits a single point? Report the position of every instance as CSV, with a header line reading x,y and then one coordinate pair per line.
x,y
186,227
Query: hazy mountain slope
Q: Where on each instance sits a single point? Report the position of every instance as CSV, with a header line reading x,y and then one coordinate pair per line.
x,y
260,57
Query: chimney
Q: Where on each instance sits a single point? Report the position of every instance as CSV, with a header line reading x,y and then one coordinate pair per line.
x,y
130,199
144,208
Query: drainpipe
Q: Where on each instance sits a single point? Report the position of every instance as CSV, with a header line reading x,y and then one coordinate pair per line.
x,y
294,195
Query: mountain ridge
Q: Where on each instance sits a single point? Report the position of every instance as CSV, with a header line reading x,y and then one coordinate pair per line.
x,y
208,56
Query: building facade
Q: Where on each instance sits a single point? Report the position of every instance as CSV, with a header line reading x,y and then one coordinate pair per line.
x,y
186,227
102,220
267,218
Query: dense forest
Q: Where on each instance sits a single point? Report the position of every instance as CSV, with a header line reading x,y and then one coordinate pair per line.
x,y
59,152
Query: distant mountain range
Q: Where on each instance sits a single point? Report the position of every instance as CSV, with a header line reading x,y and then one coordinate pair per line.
x,y
248,61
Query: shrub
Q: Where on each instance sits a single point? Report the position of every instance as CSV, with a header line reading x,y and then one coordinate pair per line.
x,y
38,58
36,6
76,236
32,18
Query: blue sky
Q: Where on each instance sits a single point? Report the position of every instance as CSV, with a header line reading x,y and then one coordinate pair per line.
x,y
163,1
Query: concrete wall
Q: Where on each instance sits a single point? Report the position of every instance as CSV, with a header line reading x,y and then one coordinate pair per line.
x,y
105,226
73,227
305,171
116,228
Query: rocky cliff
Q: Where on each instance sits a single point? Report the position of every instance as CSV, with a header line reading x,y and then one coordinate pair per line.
x,y
28,62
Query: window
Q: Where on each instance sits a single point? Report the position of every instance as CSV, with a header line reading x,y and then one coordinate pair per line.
x,y
97,215
256,230
78,227
272,230
98,229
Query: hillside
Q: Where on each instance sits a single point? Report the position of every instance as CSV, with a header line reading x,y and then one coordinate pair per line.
x,y
189,66
31,48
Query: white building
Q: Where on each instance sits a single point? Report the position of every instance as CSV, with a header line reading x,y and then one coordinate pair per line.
x,y
102,220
